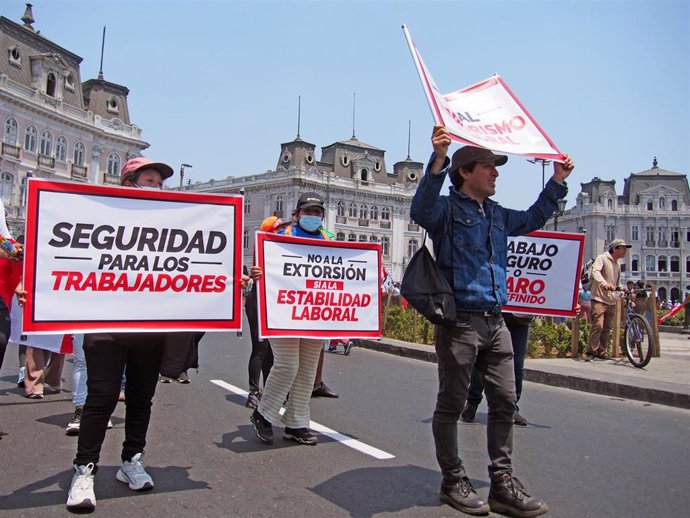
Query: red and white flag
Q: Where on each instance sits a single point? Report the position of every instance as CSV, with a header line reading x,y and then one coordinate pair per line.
x,y
486,114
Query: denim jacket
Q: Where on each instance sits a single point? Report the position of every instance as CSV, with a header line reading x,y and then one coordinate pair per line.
x,y
474,259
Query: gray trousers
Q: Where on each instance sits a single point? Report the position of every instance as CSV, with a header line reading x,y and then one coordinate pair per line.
x,y
483,341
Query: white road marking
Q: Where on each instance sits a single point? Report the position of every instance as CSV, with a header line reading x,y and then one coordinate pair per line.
x,y
333,434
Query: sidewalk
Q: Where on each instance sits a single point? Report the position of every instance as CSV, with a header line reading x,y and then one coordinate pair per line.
x,y
665,381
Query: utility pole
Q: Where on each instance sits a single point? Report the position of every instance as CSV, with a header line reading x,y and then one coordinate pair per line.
x,y
182,174
543,163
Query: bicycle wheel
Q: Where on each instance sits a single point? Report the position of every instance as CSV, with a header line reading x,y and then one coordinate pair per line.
x,y
638,341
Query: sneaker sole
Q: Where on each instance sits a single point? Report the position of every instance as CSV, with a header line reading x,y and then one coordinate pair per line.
x,y
498,507
480,511
125,480
84,505
72,431
308,442
267,440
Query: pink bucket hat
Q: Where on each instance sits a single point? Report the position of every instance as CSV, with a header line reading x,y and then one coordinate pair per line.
x,y
133,166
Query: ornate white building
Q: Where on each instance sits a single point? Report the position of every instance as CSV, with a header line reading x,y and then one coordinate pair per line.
x,y
55,126
652,214
364,201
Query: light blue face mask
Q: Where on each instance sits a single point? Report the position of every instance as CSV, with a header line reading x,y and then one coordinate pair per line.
x,y
310,223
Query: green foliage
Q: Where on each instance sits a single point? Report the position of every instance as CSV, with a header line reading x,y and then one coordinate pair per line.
x,y
550,340
675,320
407,325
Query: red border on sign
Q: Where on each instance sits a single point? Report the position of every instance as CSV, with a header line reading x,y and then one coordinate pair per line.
x,y
36,186
262,237
565,236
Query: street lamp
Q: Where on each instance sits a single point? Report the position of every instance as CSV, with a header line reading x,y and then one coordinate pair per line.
x,y
559,212
543,163
182,173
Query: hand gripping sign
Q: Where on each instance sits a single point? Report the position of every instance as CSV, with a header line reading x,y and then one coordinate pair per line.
x,y
111,259
486,114
318,289
543,273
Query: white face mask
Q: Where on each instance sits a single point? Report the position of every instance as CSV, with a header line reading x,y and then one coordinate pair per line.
x,y
147,187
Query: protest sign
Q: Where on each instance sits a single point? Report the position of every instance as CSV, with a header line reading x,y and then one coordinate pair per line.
x,y
110,259
317,288
61,343
543,273
486,114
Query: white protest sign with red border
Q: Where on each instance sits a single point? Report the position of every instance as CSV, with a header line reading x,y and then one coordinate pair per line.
x,y
543,273
486,114
114,259
318,288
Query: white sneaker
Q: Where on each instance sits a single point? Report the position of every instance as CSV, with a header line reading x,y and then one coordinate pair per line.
x,y
81,495
110,424
133,473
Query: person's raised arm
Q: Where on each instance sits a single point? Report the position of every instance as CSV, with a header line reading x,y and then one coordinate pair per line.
x,y
440,140
561,171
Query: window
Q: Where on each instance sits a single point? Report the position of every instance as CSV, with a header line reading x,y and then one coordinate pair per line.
x,y
79,151
30,139
385,214
675,237
610,234
374,212
362,238
650,205
635,233
279,203
650,263
365,175
373,239
662,234
11,131
650,234
340,236
385,246
363,211
352,211
60,149
22,190
46,143
663,263
609,203
341,209
675,263
51,83
6,188
111,105
412,247
635,263
15,56
69,82
662,203
352,237
674,205
245,239
687,266
247,204
113,164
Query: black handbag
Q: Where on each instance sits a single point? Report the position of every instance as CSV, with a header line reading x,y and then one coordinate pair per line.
x,y
427,290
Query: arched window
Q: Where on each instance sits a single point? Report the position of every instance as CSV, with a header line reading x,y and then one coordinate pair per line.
x,y
650,263
247,204
279,203
365,175
113,164
30,139
11,132
674,205
374,212
245,239
352,237
6,181
51,82
662,203
61,149
385,214
650,205
635,263
340,236
362,238
46,143
373,239
663,263
609,203
352,211
363,212
341,209
385,246
79,152
675,263
412,247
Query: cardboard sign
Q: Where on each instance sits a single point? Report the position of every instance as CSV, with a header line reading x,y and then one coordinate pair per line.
x,y
318,289
486,114
543,273
111,259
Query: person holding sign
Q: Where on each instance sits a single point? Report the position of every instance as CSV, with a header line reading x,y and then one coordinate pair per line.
x,y
295,360
108,355
477,229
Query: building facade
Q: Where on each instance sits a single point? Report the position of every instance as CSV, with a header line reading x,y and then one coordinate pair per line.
x,y
55,126
364,201
652,214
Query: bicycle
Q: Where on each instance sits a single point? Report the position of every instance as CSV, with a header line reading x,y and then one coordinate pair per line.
x,y
638,337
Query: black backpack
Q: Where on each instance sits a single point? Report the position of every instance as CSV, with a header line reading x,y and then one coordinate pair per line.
x,y
586,274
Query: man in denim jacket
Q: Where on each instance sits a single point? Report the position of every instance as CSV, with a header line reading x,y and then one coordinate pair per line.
x,y
470,235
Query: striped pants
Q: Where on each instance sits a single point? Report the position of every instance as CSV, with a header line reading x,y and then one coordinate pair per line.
x,y
294,370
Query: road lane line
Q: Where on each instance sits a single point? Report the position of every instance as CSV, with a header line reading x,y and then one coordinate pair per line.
x,y
323,430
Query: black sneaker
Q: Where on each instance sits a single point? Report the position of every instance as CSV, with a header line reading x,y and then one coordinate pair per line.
x,y
184,378
508,496
253,399
463,497
300,435
73,425
518,419
322,390
262,427
469,412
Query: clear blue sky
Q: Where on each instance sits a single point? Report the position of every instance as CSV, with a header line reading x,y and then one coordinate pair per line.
x,y
215,83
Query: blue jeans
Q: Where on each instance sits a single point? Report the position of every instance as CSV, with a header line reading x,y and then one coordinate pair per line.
x,y
519,336
485,342
79,375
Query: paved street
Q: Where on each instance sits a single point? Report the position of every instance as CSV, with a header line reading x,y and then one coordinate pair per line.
x,y
586,455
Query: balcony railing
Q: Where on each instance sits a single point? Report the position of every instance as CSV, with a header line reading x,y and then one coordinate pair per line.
x,y
363,222
412,227
46,161
342,220
385,224
111,179
662,244
78,172
10,150
649,243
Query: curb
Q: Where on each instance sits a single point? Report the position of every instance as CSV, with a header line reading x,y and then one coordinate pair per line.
x,y
604,388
